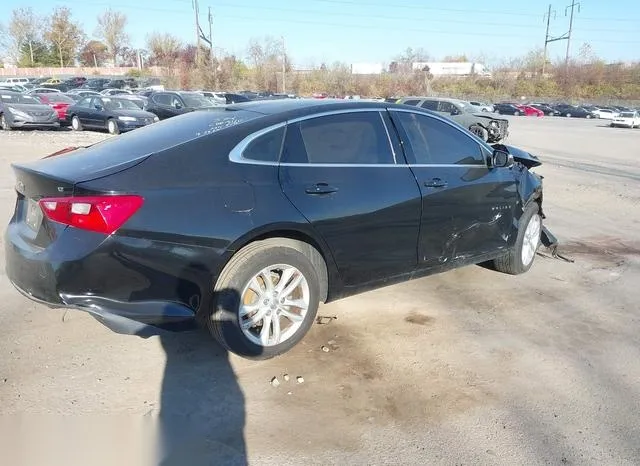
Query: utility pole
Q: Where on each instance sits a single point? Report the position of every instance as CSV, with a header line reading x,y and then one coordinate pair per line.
x,y
546,38
284,65
572,6
210,36
194,3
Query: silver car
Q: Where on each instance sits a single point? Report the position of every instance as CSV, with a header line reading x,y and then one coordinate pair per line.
x,y
23,111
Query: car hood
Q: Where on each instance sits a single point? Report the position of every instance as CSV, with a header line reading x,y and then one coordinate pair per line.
x,y
29,107
484,115
133,113
525,158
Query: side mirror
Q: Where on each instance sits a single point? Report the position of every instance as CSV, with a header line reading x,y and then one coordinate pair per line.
x,y
501,159
99,107
177,106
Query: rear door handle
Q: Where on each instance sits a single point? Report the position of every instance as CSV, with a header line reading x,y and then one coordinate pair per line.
x,y
321,188
435,183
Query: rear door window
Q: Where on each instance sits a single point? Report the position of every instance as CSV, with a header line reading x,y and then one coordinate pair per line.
x,y
430,105
358,138
162,99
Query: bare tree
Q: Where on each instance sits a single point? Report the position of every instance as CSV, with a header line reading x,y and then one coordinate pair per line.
x,y
164,48
111,29
64,34
22,34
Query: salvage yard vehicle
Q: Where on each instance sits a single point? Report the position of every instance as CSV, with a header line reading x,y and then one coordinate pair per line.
x,y
57,101
627,120
24,111
167,104
111,113
246,217
482,124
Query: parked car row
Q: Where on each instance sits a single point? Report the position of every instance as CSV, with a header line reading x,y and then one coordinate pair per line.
x,y
482,124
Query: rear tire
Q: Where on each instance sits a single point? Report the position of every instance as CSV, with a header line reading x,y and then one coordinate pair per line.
x,y
3,123
246,298
112,126
480,132
517,260
588,117
75,123
516,113
568,115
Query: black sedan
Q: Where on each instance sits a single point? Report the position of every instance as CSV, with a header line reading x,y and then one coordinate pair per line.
x,y
507,109
167,104
248,216
570,111
24,111
114,114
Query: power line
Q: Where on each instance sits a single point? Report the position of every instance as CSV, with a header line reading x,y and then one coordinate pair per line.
x,y
572,6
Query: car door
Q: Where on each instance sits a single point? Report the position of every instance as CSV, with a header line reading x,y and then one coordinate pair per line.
x,y
345,173
160,104
467,207
97,116
82,110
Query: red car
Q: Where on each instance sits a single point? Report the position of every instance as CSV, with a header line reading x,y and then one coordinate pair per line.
x,y
530,111
59,102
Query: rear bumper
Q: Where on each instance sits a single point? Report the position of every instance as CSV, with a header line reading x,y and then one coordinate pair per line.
x,y
143,319
31,124
133,286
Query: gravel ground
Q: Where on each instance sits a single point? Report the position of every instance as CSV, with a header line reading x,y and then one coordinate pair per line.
x,y
467,367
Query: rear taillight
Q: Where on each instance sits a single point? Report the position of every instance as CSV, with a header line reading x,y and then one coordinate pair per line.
x,y
104,214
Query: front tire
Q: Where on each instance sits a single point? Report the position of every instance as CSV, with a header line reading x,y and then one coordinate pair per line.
x,y
568,115
479,131
112,126
75,123
516,113
588,117
266,298
3,123
519,259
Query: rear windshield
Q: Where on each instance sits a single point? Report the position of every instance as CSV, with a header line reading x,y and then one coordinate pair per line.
x,y
129,147
55,97
196,100
18,99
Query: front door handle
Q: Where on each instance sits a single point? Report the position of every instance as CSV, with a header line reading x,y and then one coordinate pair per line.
x,y
321,188
435,183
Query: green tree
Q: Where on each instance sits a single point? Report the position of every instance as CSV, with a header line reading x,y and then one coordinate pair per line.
x,y
65,35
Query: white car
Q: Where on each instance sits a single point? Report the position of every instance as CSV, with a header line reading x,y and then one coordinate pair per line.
x,y
115,92
627,120
481,106
604,113
43,90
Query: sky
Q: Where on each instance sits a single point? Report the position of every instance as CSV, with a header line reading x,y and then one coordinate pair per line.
x,y
375,31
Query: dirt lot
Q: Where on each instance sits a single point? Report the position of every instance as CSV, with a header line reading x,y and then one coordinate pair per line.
x,y
468,367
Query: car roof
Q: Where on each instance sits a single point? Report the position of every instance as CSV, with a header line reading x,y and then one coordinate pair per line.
x,y
304,106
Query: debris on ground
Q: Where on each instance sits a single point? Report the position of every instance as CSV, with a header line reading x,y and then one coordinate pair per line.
x,y
325,349
275,382
300,379
322,320
286,377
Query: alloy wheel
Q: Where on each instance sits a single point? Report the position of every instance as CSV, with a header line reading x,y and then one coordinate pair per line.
x,y
273,305
531,239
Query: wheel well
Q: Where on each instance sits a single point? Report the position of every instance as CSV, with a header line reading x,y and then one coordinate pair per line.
x,y
320,261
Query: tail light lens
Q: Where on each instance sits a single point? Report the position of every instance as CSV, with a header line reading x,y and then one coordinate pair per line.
x,y
103,214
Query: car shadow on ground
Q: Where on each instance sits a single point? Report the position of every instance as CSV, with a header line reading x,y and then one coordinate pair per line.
x,y
202,409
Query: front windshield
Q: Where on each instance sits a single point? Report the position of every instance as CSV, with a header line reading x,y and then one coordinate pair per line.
x,y
119,104
18,99
627,114
196,100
